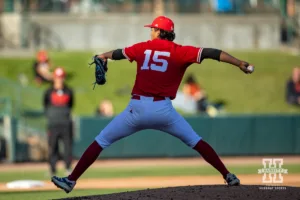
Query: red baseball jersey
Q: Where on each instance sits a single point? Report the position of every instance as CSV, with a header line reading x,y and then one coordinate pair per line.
x,y
161,65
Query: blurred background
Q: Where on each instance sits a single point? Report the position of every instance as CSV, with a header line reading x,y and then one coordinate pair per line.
x,y
50,112
223,105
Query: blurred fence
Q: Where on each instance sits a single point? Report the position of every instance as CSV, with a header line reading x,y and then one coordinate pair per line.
x,y
5,110
5,106
22,122
19,98
25,104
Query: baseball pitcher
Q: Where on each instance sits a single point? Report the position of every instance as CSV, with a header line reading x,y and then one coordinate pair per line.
x,y
161,64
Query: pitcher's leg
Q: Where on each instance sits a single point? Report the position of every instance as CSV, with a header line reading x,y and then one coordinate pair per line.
x,y
86,160
120,127
210,156
181,129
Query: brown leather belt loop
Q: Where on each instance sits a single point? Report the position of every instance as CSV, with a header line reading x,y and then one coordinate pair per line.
x,y
136,97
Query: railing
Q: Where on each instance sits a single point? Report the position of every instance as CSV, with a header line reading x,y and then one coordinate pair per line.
x,y
25,104
5,106
22,105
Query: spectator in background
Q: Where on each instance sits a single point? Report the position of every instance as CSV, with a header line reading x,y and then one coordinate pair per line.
x,y
41,68
293,88
58,102
105,109
192,90
222,6
283,32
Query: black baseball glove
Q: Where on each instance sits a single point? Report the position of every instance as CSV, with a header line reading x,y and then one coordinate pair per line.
x,y
100,70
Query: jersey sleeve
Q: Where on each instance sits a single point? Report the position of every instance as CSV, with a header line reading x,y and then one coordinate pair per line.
x,y
191,54
130,52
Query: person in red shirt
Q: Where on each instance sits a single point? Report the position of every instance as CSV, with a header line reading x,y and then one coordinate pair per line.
x,y
161,64
58,102
42,67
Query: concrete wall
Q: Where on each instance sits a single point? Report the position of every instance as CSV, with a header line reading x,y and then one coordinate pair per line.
x,y
10,29
112,31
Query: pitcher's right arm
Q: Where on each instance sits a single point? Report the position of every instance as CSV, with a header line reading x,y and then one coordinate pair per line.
x,y
222,56
197,55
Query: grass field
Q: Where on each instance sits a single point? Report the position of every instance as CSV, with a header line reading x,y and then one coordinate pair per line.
x,y
36,195
261,92
141,171
94,173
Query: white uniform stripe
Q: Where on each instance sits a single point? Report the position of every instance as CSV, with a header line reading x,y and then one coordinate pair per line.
x,y
199,55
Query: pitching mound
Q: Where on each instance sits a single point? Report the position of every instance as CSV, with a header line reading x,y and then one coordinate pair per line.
x,y
211,192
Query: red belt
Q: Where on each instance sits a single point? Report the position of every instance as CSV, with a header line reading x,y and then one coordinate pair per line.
x,y
136,97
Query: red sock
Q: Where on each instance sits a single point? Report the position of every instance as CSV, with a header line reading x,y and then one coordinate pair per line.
x,y
88,158
210,156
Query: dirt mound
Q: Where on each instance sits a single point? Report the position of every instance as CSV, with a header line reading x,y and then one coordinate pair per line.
x,y
211,192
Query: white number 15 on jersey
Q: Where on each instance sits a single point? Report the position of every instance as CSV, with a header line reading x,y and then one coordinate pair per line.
x,y
157,64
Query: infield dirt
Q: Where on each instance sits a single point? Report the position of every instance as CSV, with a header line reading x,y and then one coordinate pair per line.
x,y
211,192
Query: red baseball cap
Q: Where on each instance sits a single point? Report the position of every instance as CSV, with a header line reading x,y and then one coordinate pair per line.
x,y
59,72
163,23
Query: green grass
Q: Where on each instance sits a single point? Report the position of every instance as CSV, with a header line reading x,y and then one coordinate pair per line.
x,y
118,173
37,195
141,172
261,92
